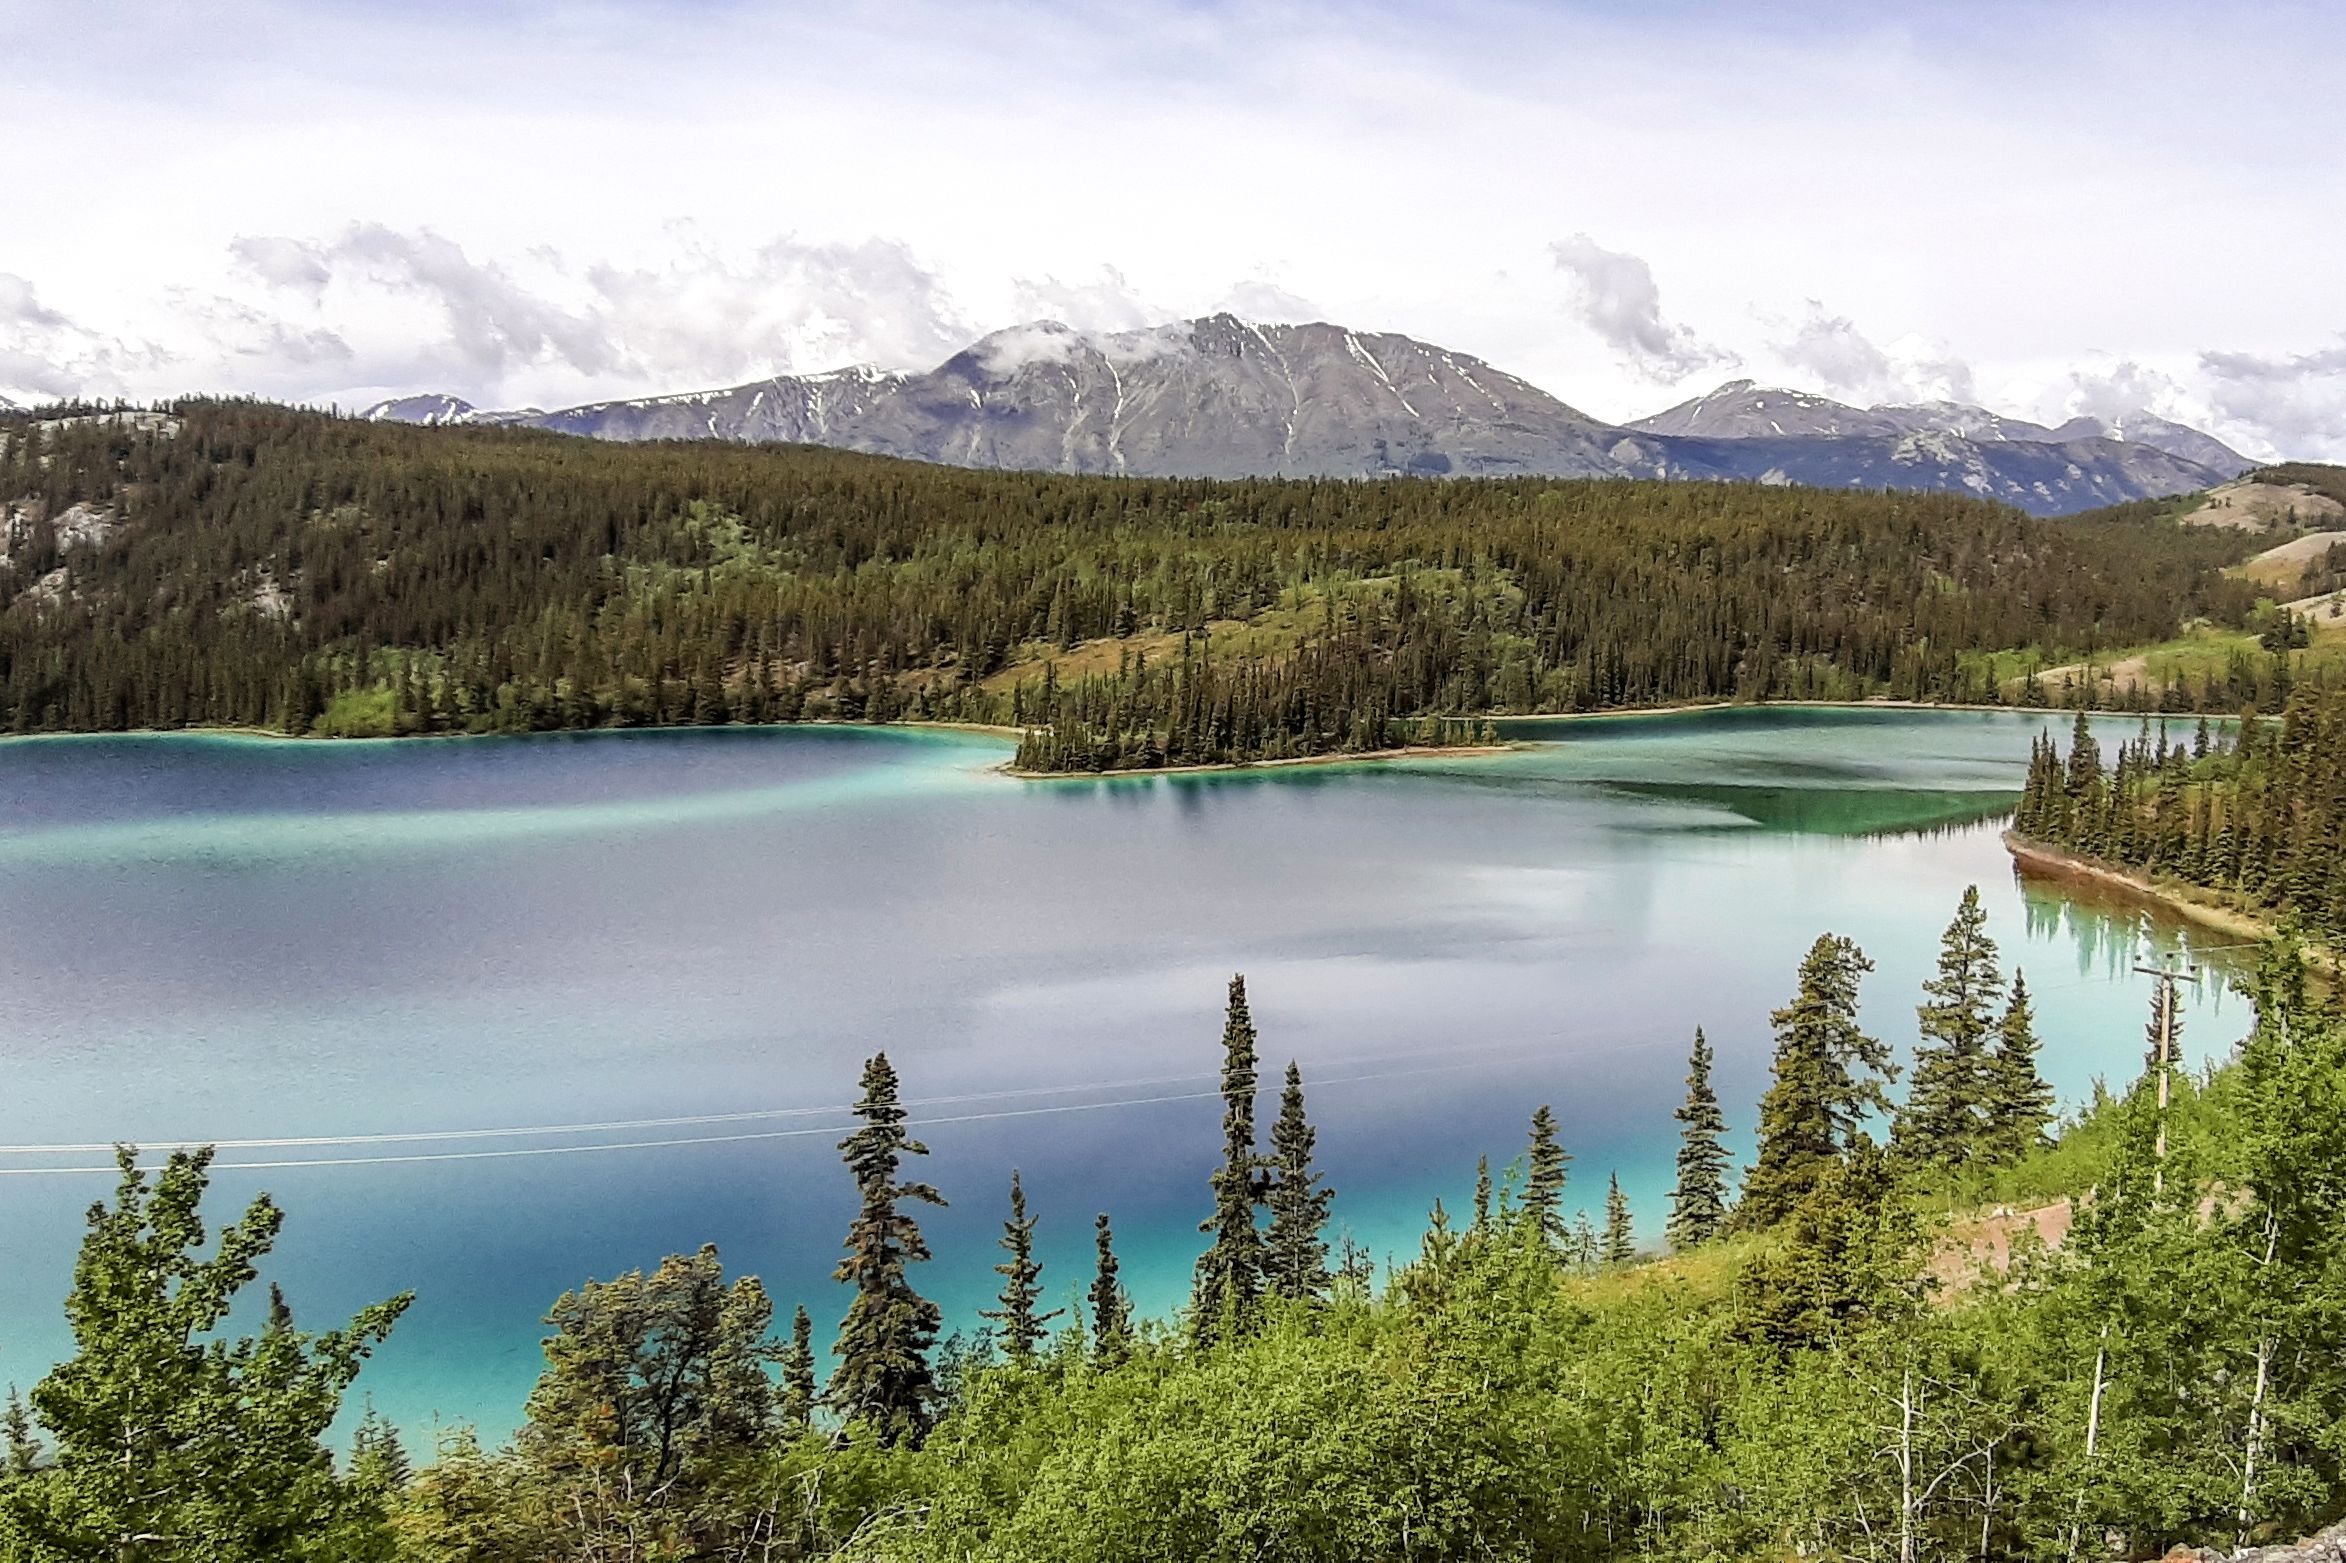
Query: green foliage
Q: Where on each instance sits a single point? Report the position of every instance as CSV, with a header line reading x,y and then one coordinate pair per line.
x,y
654,1388
1698,1202
1111,1307
1543,1189
1021,1327
171,1438
1826,1076
883,1378
1295,1248
1943,1120
1230,1272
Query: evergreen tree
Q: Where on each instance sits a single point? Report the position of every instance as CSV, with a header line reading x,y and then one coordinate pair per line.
x,y
1296,1248
1482,1197
884,1378
1851,1254
378,1461
1698,1203
1943,1120
1620,1242
1543,1188
1111,1307
796,1408
1022,1285
1827,1075
1230,1272
20,1445
2018,1100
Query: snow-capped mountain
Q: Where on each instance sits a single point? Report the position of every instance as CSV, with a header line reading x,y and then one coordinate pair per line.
x,y
1741,409
1223,397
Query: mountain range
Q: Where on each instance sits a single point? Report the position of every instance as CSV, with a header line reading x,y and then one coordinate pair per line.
x,y
1223,397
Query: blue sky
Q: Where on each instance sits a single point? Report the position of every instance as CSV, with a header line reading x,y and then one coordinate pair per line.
x,y
2046,208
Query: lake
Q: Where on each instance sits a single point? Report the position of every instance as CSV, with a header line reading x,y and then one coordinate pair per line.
x,y
507,1013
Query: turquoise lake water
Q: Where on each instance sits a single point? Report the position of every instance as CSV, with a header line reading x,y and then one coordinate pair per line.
x,y
400,953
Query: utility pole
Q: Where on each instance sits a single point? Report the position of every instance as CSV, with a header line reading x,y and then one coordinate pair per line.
x,y
2164,1004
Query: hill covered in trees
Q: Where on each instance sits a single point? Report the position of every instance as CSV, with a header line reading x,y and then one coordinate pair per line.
x,y
1812,1367
243,564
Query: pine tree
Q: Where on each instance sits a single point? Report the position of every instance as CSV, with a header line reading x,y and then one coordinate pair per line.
x,y
1230,1272
1482,1197
1698,1204
797,1406
2019,1102
1827,1075
1295,1248
1111,1308
1943,1120
1543,1189
20,1446
378,1461
1620,1241
1022,1285
884,1378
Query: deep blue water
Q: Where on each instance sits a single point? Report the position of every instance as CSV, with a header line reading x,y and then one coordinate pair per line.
x,y
215,938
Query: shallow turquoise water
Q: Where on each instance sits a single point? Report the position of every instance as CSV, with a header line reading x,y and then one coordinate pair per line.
x,y
401,951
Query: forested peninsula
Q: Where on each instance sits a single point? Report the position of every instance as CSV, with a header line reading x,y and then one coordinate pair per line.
x,y
228,563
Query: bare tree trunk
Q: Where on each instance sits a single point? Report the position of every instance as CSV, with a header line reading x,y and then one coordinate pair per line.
x,y
2256,1405
1906,1467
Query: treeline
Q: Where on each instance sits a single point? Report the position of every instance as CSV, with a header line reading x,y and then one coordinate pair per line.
x,y
1814,1367
259,566
2258,814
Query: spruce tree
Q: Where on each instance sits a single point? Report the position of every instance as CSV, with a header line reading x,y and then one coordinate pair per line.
x,y
1230,1271
1111,1308
1698,1204
1295,1248
797,1406
2019,1102
1620,1241
1944,1119
1827,1075
1482,1197
884,1379
1543,1189
1022,1283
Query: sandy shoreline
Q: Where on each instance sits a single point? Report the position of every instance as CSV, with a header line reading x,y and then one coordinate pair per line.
x,y
2183,900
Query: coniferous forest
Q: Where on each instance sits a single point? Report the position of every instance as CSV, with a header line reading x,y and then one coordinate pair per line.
x,y
242,564
1822,1363
2255,813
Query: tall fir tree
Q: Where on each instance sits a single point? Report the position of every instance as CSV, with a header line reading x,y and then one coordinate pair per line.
x,y
796,1408
1295,1248
1022,1282
884,1379
2019,1102
1827,1075
1620,1237
1482,1197
1230,1271
1698,1203
1111,1307
1944,1118
1548,1167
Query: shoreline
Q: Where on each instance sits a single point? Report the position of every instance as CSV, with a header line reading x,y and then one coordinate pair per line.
x,y
2185,901
1413,752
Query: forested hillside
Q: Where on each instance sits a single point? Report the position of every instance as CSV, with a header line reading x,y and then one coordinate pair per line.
x,y
2257,816
1822,1366
239,563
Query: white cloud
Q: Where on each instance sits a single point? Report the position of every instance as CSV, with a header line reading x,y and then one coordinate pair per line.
x,y
1829,352
2294,404
1107,302
1616,297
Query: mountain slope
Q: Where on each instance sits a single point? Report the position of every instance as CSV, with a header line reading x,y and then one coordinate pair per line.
x,y
1225,398
1742,409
